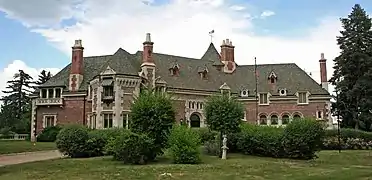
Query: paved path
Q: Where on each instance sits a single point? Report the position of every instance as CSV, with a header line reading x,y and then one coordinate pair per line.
x,y
19,158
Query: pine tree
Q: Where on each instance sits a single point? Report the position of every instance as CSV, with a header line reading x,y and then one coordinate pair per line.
x,y
44,77
16,104
352,69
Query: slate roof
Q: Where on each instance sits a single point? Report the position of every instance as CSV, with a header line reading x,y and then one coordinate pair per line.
x,y
289,75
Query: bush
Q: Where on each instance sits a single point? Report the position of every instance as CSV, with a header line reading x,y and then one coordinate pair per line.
x,y
95,145
206,134
303,138
184,145
132,148
71,141
49,134
153,113
350,139
108,136
212,147
261,141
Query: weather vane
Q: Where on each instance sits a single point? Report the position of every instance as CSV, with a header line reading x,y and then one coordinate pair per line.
x,y
211,35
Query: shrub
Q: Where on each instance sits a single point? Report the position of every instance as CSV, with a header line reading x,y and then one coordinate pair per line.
x,y
71,141
303,138
261,141
108,136
49,134
206,134
132,148
95,144
152,113
331,143
212,147
184,145
350,138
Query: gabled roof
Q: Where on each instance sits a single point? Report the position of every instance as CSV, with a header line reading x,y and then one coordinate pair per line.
x,y
290,76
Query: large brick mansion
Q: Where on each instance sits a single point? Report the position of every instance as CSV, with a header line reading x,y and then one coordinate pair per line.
x,y
97,91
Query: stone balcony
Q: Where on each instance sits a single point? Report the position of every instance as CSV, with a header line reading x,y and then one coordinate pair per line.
x,y
49,101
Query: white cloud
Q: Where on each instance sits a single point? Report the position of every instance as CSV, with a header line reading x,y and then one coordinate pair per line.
x,y
267,13
8,72
237,8
181,27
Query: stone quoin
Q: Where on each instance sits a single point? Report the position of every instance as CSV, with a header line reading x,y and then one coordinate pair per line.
x,y
97,91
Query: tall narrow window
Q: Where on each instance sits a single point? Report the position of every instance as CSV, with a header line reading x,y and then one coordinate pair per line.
x,y
107,121
263,98
58,93
302,98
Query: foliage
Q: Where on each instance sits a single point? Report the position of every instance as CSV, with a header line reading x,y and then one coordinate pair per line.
x,y
206,134
223,113
212,147
132,148
350,139
16,108
95,145
44,77
109,136
184,145
49,134
261,141
72,140
303,138
152,113
353,71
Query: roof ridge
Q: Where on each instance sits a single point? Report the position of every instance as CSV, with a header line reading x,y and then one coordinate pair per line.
x,y
176,56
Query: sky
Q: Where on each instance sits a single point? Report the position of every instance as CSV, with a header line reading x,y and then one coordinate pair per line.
x,y
39,35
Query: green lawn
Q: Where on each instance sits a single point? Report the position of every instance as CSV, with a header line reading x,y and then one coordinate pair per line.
x,y
355,165
7,147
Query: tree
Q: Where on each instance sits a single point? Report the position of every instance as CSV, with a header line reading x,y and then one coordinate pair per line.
x,y
352,70
16,104
152,113
223,113
43,77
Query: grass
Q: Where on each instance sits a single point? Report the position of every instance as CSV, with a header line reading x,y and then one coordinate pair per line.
x,y
348,165
7,147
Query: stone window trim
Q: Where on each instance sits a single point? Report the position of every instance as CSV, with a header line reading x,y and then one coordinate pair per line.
x,y
244,93
271,117
46,116
319,114
194,104
302,97
262,117
264,98
244,116
126,114
109,116
297,113
282,119
48,93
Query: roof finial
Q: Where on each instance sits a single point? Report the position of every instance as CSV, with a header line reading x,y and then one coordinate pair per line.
x,y
148,37
211,35
322,56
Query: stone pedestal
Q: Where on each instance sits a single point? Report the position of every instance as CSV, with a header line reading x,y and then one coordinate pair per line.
x,y
224,147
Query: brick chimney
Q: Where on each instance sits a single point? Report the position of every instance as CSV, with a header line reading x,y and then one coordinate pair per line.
x,y
148,64
77,66
228,56
323,72
147,51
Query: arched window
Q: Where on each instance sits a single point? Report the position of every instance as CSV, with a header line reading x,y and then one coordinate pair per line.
x,y
296,117
263,120
194,120
285,119
274,119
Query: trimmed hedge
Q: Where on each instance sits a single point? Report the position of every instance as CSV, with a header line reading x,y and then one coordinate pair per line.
x,y
301,139
349,139
205,134
184,145
49,134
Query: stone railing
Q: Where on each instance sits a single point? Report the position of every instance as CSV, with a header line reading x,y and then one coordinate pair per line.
x,y
16,137
49,101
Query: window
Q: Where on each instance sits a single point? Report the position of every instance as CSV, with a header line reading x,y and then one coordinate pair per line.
x,y
201,105
285,119
296,117
274,119
107,120
126,120
302,98
244,118
93,121
58,93
319,115
43,93
263,98
263,120
49,120
50,93
272,80
108,91
244,93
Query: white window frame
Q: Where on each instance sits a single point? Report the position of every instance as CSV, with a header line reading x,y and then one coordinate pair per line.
x,y
306,97
245,116
321,115
267,98
108,122
48,116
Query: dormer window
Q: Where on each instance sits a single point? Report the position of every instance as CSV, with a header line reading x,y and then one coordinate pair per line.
x,y
203,72
244,93
174,69
108,88
282,91
302,98
272,77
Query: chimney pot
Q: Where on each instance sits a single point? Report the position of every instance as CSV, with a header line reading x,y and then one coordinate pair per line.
x,y
322,56
78,43
223,42
148,37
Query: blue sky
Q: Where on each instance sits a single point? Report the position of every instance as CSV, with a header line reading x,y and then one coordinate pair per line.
x,y
296,25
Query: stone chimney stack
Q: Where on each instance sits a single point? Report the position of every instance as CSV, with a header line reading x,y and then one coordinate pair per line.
x,y
323,72
228,56
77,66
147,58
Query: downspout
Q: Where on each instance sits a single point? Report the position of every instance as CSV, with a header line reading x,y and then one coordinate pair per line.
x,y
84,118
